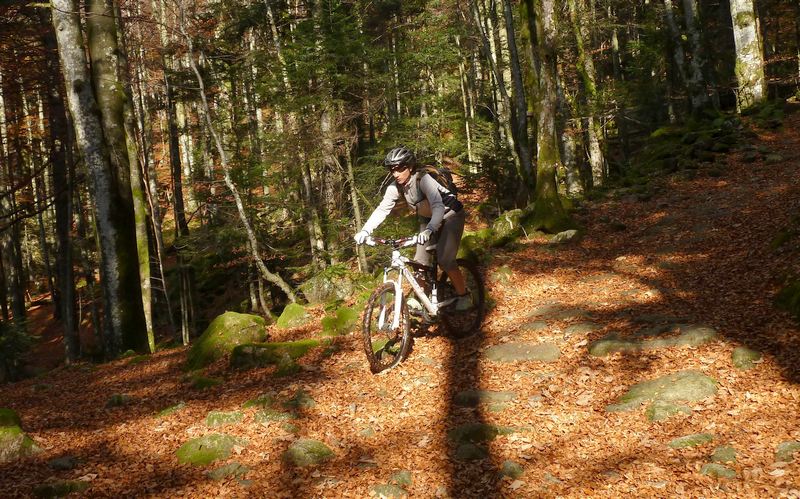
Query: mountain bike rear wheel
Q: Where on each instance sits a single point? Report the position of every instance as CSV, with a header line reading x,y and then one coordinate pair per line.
x,y
463,323
384,345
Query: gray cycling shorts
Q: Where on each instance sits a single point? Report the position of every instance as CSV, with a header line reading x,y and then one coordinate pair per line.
x,y
449,237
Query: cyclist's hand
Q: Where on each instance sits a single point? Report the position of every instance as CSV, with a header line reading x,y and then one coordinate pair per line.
x,y
424,236
361,237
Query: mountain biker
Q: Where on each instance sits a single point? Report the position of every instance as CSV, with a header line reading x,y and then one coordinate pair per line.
x,y
436,208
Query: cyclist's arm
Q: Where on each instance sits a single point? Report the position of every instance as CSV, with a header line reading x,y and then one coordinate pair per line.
x,y
390,198
430,188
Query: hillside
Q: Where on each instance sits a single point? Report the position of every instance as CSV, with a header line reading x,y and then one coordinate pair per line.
x,y
665,287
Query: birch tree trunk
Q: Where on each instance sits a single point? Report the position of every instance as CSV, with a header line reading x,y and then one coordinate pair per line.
x,y
124,327
749,56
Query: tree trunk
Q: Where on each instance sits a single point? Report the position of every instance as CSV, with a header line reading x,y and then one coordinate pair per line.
x,y
548,213
749,57
124,327
588,77
351,180
10,240
519,112
696,81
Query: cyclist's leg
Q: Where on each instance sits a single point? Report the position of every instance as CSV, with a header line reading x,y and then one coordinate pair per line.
x,y
422,256
447,249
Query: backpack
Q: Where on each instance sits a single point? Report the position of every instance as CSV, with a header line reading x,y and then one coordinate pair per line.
x,y
441,174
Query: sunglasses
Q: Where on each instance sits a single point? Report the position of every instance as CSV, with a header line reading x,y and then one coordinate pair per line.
x,y
398,168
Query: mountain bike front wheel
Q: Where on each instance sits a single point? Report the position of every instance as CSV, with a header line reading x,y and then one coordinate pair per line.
x,y
463,323
384,345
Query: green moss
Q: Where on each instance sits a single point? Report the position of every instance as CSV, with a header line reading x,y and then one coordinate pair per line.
x,y
215,419
744,19
294,315
171,409
207,449
744,358
9,418
724,454
341,323
264,401
15,444
267,354
300,400
717,471
268,416
60,488
691,440
223,335
307,452
231,470
786,451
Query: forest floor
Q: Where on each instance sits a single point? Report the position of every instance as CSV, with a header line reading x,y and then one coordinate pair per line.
x,y
695,253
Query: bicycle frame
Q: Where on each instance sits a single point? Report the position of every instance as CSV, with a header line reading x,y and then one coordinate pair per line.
x,y
401,264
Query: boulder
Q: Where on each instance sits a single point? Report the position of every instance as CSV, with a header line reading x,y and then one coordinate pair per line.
x,y
341,323
307,452
15,444
507,227
682,386
744,358
207,449
691,440
327,286
223,334
294,315
281,354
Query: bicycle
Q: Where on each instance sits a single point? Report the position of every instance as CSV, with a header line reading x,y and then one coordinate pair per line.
x,y
386,325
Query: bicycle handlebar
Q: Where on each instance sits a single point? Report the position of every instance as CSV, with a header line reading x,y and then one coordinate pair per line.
x,y
404,242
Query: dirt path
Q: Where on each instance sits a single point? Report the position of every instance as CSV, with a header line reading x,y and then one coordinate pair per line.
x,y
696,253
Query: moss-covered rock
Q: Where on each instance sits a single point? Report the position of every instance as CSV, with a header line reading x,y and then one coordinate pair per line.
x,y
264,401
199,382
215,419
470,452
171,409
230,470
724,454
683,386
744,358
786,451
331,284
281,354
15,444
660,410
9,418
342,322
651,339
294,315
388,491
207,449
223,334
476,433
507,227
691,440
307,452
717,471
300,400
268,416
511,352
512,469
60,488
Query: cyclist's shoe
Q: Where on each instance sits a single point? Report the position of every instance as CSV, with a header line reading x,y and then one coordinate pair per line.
x,y
464,302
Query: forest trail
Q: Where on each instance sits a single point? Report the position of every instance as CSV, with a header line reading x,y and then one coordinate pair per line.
x,y
665,288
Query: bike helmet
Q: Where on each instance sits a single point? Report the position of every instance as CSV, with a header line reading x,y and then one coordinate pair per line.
x,y
400,156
